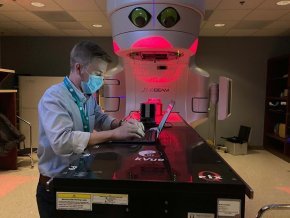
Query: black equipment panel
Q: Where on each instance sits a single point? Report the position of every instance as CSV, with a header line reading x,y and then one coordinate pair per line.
x,y
179,176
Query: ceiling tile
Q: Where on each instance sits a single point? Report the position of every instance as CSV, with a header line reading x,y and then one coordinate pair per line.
x,y
265,14
202,24
279,24
228,14
211,4
77,32
4,18
103,32
21,16
269,32
68,25
213,32
11,25
228,24
241,32
235,4
38,25
10,6
254,24
89,25
52,32
78,5
49,5
271,4
88,16
207,14
78,16
54,16
102,4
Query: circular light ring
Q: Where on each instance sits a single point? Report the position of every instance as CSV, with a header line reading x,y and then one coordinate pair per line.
x,y
168,17
140,17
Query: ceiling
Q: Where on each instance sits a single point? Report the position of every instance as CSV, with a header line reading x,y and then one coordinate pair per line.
x,y
76,17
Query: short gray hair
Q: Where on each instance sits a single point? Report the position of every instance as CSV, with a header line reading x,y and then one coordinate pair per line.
x,y
85,51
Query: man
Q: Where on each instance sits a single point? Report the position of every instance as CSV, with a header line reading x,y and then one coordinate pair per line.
x,y
70,120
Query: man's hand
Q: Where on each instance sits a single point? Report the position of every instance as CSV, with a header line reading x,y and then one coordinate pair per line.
x,y
136,122
129,129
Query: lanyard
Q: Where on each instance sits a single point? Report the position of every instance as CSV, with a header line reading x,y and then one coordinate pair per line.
x,y
84,113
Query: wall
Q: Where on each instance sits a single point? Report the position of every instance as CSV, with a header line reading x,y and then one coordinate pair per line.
x,y
242,59
245,61
43,56
1,52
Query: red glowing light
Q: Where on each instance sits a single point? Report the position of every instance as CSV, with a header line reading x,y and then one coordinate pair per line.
x,y
152,42
159,80
285,189
116,47
147,75
8,183
190,179
194,46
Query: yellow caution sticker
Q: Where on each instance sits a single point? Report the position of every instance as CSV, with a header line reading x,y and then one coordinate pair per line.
x,y
73,201
84,201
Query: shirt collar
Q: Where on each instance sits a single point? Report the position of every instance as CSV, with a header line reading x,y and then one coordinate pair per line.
x,y
80,95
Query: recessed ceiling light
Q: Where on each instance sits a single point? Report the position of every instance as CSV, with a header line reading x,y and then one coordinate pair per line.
x,y
97,25
37,4
283,3
219,25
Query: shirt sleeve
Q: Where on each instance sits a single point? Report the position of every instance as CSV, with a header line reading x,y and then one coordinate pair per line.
x,y
58,125
102,121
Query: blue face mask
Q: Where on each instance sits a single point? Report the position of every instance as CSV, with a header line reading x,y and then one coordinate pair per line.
x,y
93,85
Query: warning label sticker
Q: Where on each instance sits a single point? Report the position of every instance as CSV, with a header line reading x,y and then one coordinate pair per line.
x,y
107,198
229,208
84,201
200,215
73,201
